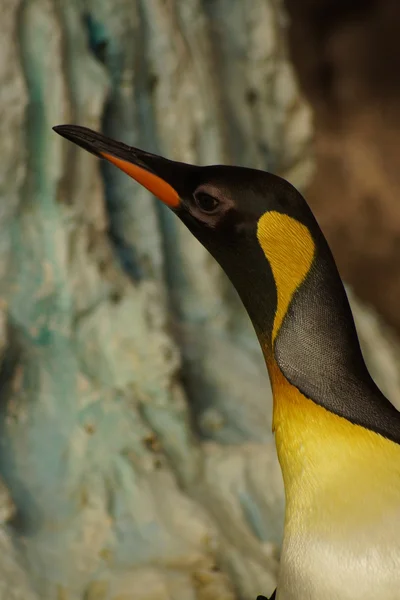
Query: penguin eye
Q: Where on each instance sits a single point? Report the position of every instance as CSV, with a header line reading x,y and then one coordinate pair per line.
x,y
206,203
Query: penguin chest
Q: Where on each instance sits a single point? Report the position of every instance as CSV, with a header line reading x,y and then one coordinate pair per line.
x,y
342,524
314,568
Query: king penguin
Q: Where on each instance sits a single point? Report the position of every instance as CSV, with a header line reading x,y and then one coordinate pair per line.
x,y
337,436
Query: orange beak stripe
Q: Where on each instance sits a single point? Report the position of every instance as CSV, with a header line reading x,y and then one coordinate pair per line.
x,y
154,184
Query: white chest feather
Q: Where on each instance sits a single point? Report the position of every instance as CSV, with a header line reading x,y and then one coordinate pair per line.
x,y
366,568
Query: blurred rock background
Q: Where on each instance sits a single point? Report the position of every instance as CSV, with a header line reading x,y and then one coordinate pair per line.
x,y
136,456
347,58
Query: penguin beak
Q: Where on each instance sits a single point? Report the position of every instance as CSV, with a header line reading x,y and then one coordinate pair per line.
x,y
160,176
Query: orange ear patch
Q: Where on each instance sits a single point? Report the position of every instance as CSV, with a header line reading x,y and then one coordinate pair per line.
x,y
151,182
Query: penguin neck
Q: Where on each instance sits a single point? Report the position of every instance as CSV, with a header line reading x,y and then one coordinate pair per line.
x,y
313,339
312,342
313,324
327,409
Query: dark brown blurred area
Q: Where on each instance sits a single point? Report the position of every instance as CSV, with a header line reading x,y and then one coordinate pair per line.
x,y
347,56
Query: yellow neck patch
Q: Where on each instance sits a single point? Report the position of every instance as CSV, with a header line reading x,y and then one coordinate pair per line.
x,y
289,249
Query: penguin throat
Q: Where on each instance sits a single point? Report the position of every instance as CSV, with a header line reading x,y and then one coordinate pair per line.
x,y
313,341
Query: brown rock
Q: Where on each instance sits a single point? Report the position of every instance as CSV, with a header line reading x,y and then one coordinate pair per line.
x,y
347,55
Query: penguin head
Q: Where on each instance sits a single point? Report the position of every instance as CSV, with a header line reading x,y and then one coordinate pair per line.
x,y
263,234
255,224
